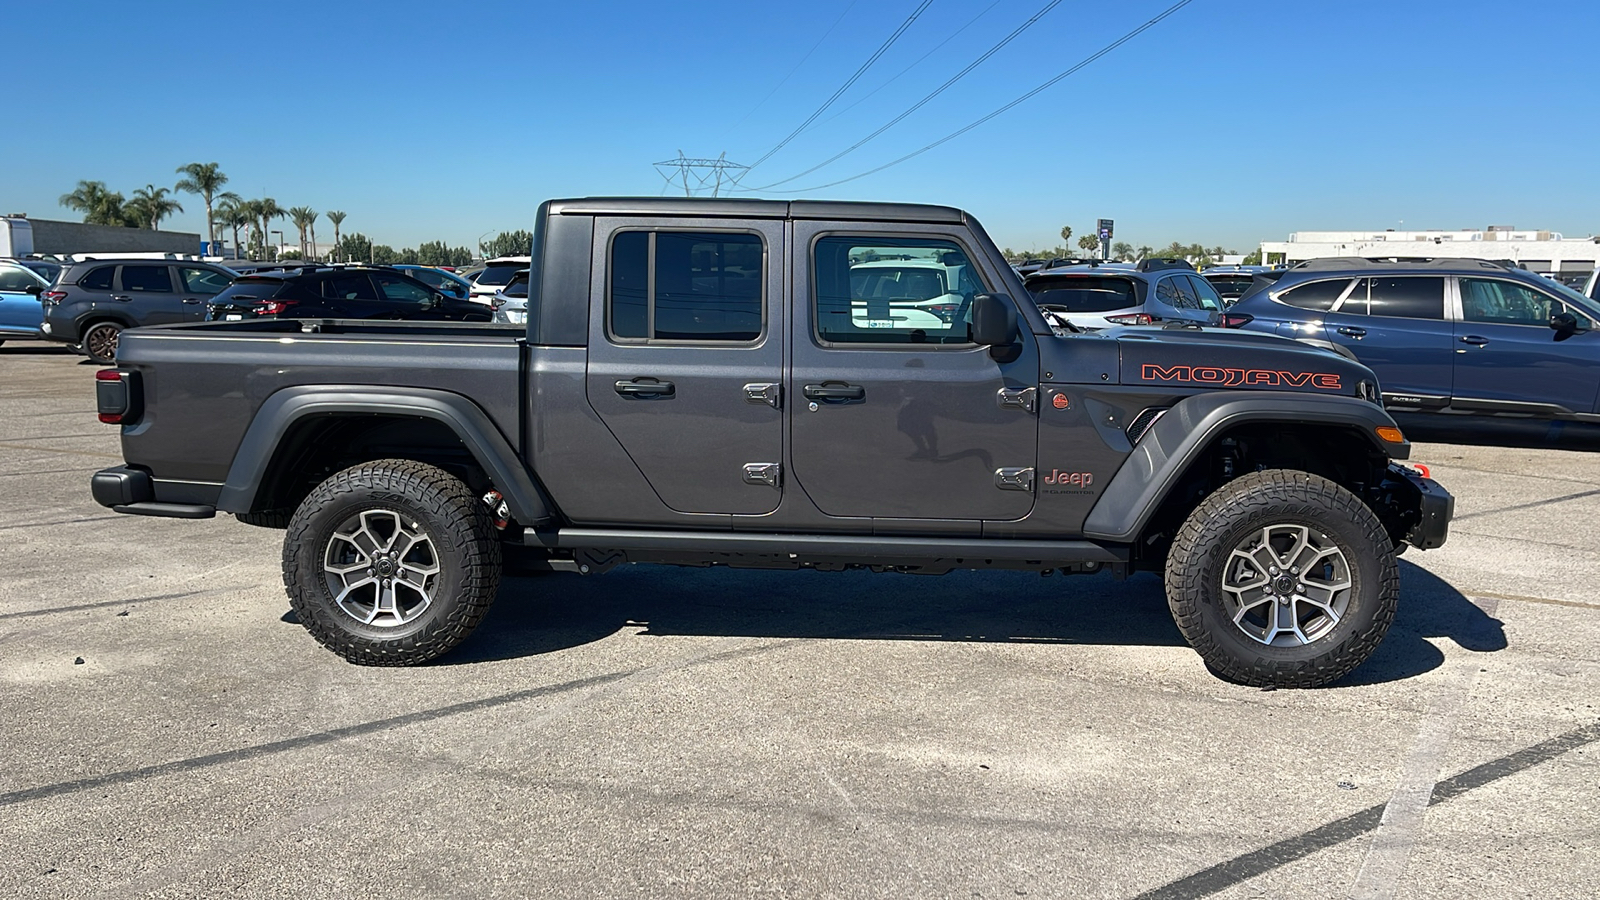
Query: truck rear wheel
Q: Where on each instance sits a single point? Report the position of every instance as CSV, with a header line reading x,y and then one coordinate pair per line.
x,y
1282,578
391,563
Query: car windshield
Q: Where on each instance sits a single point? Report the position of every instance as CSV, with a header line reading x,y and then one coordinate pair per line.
x,y
47,270
500,273
1085,294
1574,297
1230,285
897,282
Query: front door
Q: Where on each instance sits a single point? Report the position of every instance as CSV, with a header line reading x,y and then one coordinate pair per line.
x,y
895,412
686,358
1507,353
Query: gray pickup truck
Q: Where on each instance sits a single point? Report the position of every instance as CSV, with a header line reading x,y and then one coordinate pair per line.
x,y
790,385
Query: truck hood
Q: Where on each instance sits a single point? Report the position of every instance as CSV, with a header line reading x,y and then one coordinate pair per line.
x,y
1224,358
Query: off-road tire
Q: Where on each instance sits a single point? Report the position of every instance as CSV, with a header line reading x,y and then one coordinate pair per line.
x,y
100,337
1201,552
465,543
267,518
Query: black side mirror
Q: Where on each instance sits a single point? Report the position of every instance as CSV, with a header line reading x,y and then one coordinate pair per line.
x,y
1565,325
34,289
994,324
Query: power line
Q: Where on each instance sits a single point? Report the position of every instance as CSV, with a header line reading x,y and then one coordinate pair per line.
x,y
785,79
846,86
925,100
1009,106
713,172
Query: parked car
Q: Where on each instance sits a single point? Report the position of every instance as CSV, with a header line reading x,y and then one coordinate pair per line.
x,y
1457,335
1591,288
21,312
496,274
47,269
444,282
95,300
339,292
510,303
1102,295
931,291
1232,282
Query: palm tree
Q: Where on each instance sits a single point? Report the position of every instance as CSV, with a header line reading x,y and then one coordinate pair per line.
x,y
152,205
231,214
1122,250
1144,251
301,216
99,205
336,216
265,210
204,179
311,223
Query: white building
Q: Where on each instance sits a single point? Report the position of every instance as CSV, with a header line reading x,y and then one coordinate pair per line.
x,y
1546,252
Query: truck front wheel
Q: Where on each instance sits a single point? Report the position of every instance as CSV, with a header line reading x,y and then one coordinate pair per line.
x,y
1282,578
391,563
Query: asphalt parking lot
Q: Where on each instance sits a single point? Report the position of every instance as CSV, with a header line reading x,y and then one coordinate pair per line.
x,y
169,730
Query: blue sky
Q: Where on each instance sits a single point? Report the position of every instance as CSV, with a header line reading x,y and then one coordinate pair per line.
x,y
1231,122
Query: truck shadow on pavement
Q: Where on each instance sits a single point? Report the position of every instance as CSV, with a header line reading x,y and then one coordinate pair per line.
x,y
553,612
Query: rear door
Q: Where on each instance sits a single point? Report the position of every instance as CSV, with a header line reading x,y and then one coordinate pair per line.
x,y
1506,353
1396,325
151,294
901,420
197,287
686,357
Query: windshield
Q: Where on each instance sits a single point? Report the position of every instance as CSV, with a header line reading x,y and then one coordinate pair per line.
x,y
1571,296
1084,294
1230,285
499,274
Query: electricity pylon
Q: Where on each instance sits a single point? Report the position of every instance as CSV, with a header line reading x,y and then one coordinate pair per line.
x,y
697,175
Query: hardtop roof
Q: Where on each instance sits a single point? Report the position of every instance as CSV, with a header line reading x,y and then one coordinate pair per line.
x,y
716,207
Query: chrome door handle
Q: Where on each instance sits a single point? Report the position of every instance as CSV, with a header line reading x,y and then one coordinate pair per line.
x,y
1474,340
764,392
1350,331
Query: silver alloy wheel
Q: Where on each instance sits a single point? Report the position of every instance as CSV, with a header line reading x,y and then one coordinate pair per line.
x,y
381,567
1286,585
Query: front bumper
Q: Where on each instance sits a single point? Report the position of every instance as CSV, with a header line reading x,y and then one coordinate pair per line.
x,y
1434,508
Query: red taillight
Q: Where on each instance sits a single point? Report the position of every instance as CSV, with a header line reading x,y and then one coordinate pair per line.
x,y
1236,320
945,311
53,296
111,395
274,307
1132,319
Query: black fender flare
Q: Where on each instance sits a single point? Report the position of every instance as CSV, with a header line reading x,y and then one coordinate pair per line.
x,y
284,408
1178,437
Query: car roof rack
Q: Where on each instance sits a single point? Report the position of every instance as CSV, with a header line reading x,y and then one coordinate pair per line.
x,y
1158,264
1343,263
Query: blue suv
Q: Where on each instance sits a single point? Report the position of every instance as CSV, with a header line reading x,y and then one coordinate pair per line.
x,y
1456,335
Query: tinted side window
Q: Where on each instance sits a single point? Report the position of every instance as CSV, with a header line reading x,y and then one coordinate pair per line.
x,y
1318,295
16,279
927,300
1207,294
249,290
147,279
686,286
349,287
1496,302
1406,298
1176,291
202,281
98,279
402,291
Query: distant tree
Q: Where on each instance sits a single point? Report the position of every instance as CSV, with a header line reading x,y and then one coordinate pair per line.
x,y
266,209
150,205
206,180
354,247
291,254
384,255
1253,258
99,205
302,217
231,214
311,223
1089,243
1122,250
336,216
1066,233
1144,252
508,243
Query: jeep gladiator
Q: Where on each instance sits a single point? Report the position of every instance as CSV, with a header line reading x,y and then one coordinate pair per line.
x,y
726,382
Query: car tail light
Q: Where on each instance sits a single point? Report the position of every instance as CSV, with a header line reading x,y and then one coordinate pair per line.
x,y
1132,319
53,296
274,307
1235,320
116,395
945,311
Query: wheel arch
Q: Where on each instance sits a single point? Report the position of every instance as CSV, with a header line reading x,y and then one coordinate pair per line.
x,y
1189,435
317,422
